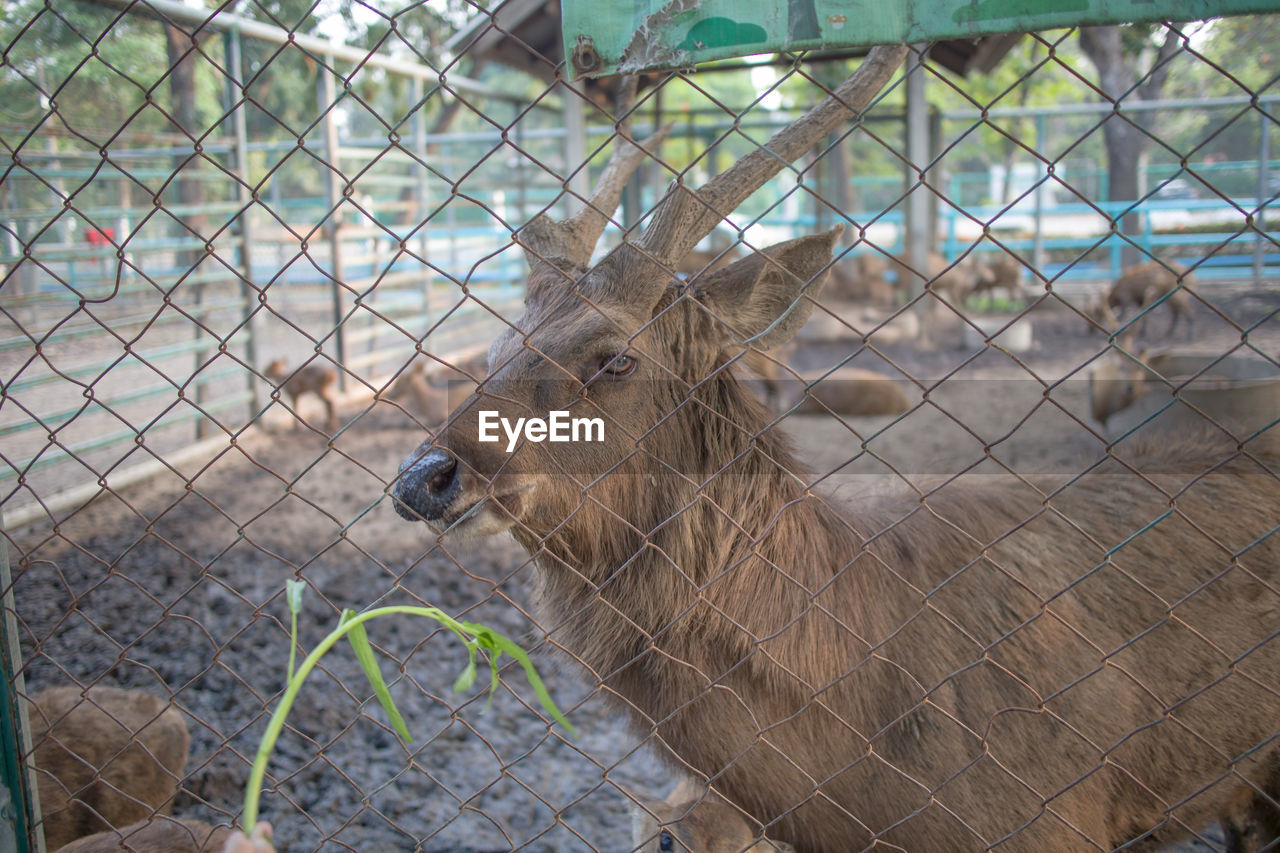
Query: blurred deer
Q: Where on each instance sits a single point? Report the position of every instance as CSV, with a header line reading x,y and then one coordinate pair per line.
x,y
309,379
954,281
164,835
427,394
852,391
1036,665
426,401
1142,285
1118,380
694,820
1003,271
862,279
104,758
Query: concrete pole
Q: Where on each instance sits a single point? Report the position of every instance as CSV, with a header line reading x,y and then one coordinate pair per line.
x,y
919,226
575,150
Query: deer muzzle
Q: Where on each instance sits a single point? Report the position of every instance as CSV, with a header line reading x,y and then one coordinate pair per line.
x,y
427,485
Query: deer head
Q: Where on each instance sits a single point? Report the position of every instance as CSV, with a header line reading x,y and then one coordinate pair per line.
x,y
627,349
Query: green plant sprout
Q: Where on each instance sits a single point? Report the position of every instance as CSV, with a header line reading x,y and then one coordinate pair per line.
x,y
351,625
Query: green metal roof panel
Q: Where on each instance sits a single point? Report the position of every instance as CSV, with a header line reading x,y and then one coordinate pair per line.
x,y
604,37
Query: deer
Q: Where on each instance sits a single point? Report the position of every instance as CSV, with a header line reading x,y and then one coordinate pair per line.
x,y
104,757
851,391
861,278
412,387
1141,285
691,820
954,281
308,379
159,836
1054,664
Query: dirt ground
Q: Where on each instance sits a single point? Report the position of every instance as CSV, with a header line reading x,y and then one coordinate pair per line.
x,y
177,586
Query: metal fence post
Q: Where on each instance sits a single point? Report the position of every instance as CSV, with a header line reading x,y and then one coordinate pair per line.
x,y
1260,217
919,236
418,94
1042,143
19,801
575,150
334,193
235,62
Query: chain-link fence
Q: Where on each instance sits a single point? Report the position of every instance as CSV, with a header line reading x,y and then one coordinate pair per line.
x,y
962,540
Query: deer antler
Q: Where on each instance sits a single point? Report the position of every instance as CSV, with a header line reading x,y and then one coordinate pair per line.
x,y
573,240
638,271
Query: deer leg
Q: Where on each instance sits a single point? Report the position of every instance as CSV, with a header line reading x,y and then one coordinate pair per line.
x,y
331,417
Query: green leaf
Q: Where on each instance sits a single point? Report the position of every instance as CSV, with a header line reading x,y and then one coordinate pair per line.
x,y
468,675
491,640
293,590
359,641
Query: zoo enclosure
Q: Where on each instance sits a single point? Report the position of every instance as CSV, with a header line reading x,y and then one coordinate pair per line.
x,y
412,251
412,228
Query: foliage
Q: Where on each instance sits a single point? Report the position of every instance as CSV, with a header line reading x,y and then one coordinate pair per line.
x,y
477,639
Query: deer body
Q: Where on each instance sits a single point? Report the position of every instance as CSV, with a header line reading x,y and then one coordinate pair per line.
x,y
308,379
792,650
861,279
1144,284
1062,666
104,758
852,391
159,836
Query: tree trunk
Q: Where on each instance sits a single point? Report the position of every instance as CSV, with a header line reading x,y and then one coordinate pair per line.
x,y
1125,139
182,109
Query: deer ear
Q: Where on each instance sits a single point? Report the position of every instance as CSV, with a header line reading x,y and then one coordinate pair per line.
x,y
766,297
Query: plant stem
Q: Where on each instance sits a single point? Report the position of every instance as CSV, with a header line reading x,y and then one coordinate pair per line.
x,y
253,789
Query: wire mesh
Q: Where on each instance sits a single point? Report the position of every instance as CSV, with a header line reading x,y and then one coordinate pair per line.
x,y
958,535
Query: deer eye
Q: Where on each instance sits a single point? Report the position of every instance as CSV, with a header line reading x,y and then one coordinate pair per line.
x,y
618,365
666,843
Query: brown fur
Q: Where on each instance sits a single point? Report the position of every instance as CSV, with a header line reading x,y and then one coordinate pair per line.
x,y
1144,284
428,395
955,281
1001,271
945,724
861,279
425,400
1117,381
1052,666
708,260
309,379
107,759
697,821
852,391
159,836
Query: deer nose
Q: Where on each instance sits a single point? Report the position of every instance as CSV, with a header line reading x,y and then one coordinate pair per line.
x,y
427,485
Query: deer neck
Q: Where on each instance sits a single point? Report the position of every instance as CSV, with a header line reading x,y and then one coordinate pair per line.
x,y
672,554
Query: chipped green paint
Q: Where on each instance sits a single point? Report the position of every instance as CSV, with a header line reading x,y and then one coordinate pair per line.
x,y
722,32
645,35
993,10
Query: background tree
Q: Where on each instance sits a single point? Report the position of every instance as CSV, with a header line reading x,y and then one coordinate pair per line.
x,y
1131,67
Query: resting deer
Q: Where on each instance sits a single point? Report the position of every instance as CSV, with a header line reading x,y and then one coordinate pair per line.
x,y
104,758
163,835
861,279
851,391
1047,666
308,379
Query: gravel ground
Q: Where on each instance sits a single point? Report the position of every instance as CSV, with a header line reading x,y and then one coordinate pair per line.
x,y
177,586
